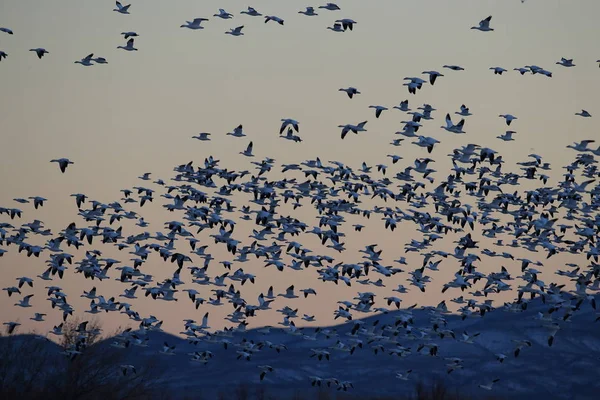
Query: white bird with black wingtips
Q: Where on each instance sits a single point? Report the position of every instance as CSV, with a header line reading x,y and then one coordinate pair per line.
x,y
121,9
195,24
62,163
484,25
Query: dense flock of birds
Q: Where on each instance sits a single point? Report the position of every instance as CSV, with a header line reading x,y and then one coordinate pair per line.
x,y
478,197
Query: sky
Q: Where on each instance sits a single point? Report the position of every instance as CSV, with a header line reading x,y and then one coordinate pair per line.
x,y
138,113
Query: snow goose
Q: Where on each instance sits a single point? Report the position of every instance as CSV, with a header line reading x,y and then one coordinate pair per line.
x,y
90,295
11,290
507,136
235,31
566,62
582,146
168,350
310,11
450,127
129,34
290,136
129,46
38,317
11,326
273,18
520,345
46,275
62,163
237,132
337,27
194,24
403,375
308,318
25,280
289,293
488,386
248,151
521,70
308,291
464,111
378,110
3,54
121,8
264,369
583,113
539,70
498,70
347,23
288,121
426,142
330,7
354,128
6,30
86,61
252,12
204,322
270,295
454,67
466,338
432,76
508,117
403,106
40,52
223,14
204,136
350,91
24,302
484,25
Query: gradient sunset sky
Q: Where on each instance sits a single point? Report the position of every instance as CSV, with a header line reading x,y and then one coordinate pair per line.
x,y
138,113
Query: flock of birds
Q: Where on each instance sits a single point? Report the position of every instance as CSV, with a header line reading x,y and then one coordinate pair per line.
x,y
477,199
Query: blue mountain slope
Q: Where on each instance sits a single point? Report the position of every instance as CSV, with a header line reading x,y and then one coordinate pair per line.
x,y
566,370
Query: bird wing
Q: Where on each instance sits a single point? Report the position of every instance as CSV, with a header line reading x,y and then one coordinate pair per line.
x,y
448,120
283,125
249,149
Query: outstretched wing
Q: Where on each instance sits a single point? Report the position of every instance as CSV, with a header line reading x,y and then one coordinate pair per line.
x,y
448,121
486,22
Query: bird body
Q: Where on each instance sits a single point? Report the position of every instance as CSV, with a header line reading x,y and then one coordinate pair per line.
x,y
484,25
195,24
121,9
128,46
62,163
39,51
